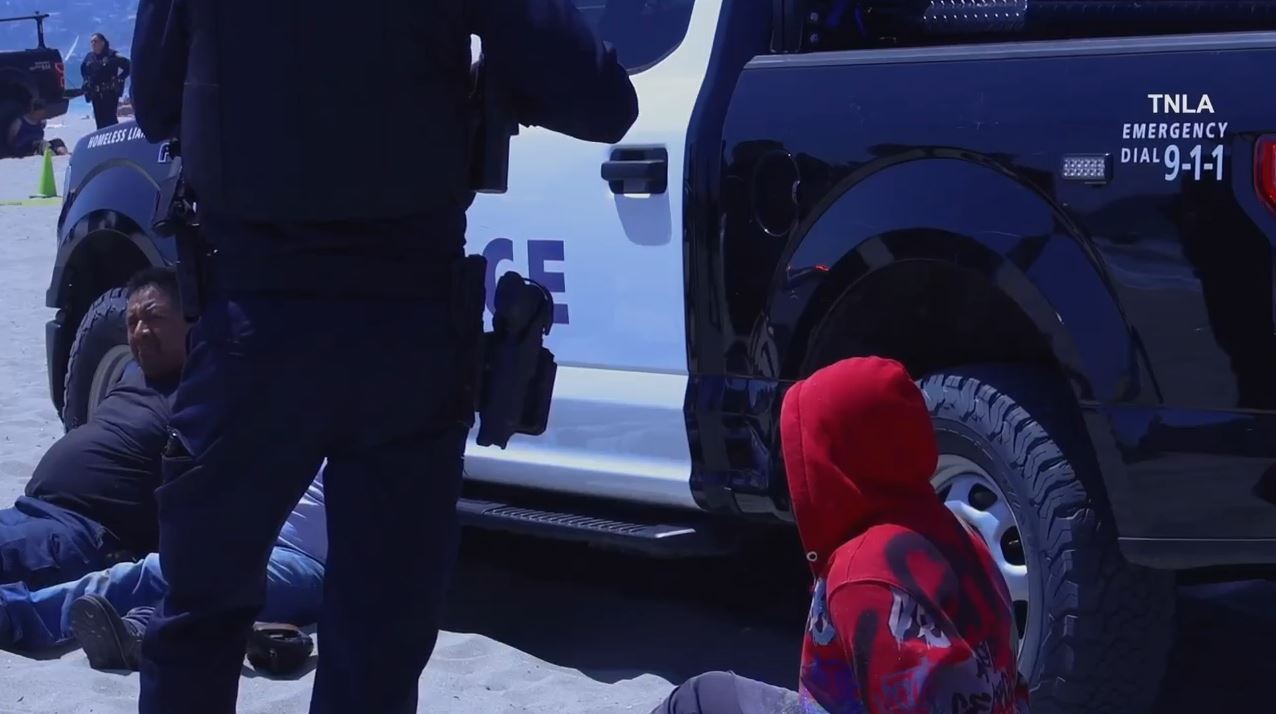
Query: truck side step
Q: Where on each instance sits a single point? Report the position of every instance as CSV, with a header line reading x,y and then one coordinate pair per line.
x,y
661,540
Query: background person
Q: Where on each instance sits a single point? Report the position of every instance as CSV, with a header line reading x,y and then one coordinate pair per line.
x,y
24,133
105,71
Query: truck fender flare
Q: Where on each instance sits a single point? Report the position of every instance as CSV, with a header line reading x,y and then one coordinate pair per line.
x,y
929,209
968,212
94,226
115,197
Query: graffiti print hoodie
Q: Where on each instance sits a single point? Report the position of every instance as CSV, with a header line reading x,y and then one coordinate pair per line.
x,y
909,614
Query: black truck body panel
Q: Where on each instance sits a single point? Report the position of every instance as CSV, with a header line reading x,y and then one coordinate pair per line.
x,y
1152,292
37,72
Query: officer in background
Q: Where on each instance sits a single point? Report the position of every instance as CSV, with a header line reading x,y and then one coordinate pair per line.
x,y
331,326
105,71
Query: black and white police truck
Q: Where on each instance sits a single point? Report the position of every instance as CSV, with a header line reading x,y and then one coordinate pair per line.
x,y
1059,214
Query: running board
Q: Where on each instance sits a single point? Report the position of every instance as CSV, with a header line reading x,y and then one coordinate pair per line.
x,y
668,541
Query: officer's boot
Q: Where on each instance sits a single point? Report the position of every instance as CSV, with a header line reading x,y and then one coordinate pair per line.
x,y
109,641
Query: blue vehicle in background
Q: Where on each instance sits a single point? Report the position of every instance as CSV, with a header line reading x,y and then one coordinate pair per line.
x,y
1059,215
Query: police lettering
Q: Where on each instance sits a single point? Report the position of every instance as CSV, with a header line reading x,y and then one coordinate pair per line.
x,y
539,252
1176,130
1180,104
114,137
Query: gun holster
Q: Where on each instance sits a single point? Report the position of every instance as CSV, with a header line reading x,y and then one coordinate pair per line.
x,y
176,217
514,371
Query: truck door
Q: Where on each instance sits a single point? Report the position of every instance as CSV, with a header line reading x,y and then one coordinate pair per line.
x,y
611,252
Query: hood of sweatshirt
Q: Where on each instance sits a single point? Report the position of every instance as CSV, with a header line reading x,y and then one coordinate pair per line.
x,y
857,440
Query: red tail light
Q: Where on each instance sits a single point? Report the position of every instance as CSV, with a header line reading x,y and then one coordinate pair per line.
x,y
1265,170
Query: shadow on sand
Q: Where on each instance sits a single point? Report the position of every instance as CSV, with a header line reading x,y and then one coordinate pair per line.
x,y
614,617
1223,659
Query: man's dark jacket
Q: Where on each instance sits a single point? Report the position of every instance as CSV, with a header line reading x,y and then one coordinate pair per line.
x,y
105,74
330,110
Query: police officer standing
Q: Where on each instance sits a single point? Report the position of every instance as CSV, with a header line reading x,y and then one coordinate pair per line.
x,y
330,325
105,71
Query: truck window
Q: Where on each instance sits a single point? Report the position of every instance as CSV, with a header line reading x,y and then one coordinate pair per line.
x,y
642,31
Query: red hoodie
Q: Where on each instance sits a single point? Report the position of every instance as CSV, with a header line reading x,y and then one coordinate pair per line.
x,y
908,613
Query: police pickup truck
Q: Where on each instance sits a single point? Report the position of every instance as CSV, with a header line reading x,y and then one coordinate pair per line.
x,y
1059,215
28,74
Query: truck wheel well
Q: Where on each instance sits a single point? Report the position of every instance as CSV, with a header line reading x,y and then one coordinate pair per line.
x,y
104,260
12,92
930,316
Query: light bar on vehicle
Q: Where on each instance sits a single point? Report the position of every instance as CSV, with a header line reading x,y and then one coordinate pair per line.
x,y
1088,168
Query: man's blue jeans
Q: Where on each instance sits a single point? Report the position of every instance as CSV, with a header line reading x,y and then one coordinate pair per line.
x,y
42,544
41,619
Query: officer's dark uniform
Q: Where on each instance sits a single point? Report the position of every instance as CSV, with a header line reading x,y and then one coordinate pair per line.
x,y
104,78
329,329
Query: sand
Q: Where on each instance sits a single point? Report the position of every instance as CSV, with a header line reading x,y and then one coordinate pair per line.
x,y
531,626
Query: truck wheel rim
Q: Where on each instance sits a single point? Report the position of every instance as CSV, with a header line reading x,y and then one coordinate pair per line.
x,y
975,498
108,370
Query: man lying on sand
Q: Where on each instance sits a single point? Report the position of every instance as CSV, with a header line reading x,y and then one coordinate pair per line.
x,y
24,134
91,498
909,614
87,610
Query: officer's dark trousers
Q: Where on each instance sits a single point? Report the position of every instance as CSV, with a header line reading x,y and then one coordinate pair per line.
x,y
273,384
106,110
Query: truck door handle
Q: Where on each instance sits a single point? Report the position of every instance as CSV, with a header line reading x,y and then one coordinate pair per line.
x,y
637,170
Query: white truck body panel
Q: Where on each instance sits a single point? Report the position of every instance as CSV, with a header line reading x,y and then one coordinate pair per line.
x,y
617,427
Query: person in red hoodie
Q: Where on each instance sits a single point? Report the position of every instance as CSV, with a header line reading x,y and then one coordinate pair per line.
x,y
908,613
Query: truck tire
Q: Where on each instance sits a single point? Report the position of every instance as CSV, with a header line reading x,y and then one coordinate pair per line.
x,y
99,355
1015,462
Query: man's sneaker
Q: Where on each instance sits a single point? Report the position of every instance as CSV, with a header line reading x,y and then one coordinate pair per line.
x,y
109,641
